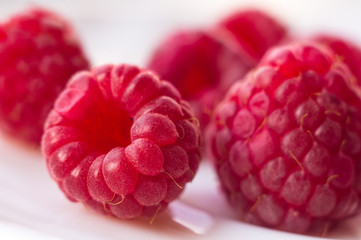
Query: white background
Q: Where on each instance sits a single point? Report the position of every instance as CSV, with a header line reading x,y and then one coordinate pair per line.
x,y
32,207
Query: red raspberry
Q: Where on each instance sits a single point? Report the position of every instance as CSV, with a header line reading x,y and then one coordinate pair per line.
x,y
200,66
286,141
39,51
346,50
203,65
121,141
253,30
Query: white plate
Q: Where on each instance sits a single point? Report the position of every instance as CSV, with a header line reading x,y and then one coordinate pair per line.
x,y
32,206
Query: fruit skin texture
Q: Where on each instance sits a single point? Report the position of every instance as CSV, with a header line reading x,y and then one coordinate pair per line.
x,y
253,30
201,66
39,52
349,52
121,141
286,141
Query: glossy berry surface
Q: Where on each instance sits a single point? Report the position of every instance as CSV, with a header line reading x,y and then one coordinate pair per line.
x,y
286,141
254,31
121,141
200,66
39,52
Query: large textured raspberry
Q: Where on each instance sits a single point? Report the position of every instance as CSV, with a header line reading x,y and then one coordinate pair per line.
x,y
121,141
286,141
348,51
253,30
39,51
200,66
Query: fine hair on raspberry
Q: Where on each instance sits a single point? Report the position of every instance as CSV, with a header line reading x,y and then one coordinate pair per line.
x,y
286,141
121,141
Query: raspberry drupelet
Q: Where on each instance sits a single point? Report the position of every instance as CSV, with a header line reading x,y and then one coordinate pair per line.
x,y
121,141
286,141
39,51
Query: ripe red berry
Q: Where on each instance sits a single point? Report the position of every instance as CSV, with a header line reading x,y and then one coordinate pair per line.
x,y
121,141
200,66
347,51
253,30
204,64
286,141
39,51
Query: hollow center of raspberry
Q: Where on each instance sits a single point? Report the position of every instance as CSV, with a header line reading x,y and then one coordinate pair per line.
x,y
108,128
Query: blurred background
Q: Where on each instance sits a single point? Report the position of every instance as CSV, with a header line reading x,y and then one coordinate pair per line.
x,y
127,30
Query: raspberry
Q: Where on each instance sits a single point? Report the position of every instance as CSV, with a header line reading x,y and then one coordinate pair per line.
x,y
200,66
286,140
348,52
39,51
253,30
121,141
204,64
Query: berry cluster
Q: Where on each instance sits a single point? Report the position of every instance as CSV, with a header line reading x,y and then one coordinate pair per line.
x,y
282,118
118,138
